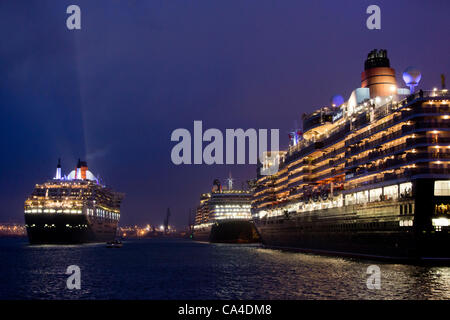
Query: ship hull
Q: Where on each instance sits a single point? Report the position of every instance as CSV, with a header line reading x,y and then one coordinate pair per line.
x,y
388,245
202,234
372,231
228,232
68,229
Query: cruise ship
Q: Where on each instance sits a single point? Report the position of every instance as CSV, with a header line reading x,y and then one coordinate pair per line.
x,y
366,177
72,209
225,216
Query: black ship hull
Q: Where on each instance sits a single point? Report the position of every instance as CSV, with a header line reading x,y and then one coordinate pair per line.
x,y
68,229
373,230
228,232
202,234
375,244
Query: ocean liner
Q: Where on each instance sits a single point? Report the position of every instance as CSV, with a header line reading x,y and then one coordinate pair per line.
x,y
72,209
225,216
365,177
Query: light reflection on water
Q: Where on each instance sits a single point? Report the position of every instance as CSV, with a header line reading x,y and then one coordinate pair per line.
x,y
177,269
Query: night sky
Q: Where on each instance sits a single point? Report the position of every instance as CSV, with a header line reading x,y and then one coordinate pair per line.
x,y
113,92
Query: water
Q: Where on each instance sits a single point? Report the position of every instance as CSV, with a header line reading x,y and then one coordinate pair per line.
x,y
182,269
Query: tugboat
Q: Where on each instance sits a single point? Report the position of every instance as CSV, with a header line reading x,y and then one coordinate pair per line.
x,y
114,244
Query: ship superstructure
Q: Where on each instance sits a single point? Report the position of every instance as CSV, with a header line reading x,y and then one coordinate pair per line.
x,y
225,216
75,208
369,176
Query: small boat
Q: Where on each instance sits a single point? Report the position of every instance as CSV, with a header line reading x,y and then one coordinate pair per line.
x,y
114,244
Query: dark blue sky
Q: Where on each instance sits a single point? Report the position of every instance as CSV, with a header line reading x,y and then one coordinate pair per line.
x,y
114,91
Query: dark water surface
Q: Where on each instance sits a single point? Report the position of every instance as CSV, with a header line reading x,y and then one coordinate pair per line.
x,y
182,269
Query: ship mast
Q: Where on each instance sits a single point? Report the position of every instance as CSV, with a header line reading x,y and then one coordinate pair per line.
x,y
58,170
230,182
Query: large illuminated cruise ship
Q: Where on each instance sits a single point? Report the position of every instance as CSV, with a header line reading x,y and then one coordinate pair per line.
x,y
367,177
225,216
72,209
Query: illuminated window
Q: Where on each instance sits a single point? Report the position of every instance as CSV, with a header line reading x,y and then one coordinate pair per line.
x,y
375,194
405,189
362,197
442,188
391,192
442,209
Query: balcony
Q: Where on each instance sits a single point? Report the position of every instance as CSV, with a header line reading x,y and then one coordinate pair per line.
x,y
410,143
328,155
331,174
405,130
390,164
331,163
408,173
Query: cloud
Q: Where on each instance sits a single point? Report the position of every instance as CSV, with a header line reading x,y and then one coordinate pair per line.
x,y
99,153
